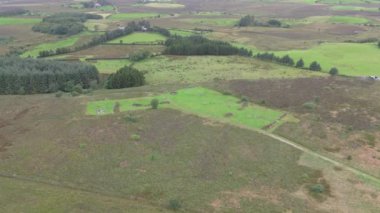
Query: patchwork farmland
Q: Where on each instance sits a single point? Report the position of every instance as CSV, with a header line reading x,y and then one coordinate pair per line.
x,y
189,106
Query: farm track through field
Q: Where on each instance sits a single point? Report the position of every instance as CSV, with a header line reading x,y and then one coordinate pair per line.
x,y
358,172
372,178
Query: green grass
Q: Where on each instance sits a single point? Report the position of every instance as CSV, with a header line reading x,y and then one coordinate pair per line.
x,y
110,66
199,101
106,8
18,21
193,69
164,5
225,22
140,38
130,16
348,20
181,32
67,42
350,58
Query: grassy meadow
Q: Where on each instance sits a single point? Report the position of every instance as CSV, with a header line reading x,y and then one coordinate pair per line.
x,y
110,66
140,38
351,59
191,69
198,101
18,21
65,42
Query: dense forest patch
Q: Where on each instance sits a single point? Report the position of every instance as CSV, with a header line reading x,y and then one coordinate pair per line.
x,y
29,76
198,45
64,23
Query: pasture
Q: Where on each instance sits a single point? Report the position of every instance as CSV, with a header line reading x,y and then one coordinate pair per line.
x,y
191,69
18,21
198,101
139,38
350,58
110,66
164,5
65,42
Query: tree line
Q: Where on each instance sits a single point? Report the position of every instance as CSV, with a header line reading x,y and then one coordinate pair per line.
x,y
250,20
108,36
198,45
30,76
64,23
288,61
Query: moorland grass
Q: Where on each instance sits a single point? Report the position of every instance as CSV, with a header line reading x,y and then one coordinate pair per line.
x,y
140,38
350,58
348,20
223,22
199,101
353,8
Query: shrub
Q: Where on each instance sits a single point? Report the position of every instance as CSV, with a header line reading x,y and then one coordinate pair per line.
x,y
174,205
300,63
333,71
135,137
154,103
317,188
130,118
59,94
124,78
247,20
116,107
309,105
315,66
75,93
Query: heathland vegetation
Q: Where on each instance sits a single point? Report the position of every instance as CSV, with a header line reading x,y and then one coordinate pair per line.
x,y
262,111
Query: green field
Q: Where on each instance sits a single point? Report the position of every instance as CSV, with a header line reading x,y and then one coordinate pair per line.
x,y
348,20
350,58
110,66
130,16
140,38
191,69
181,32
225,22
66,42
164,5
17,21
198,101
